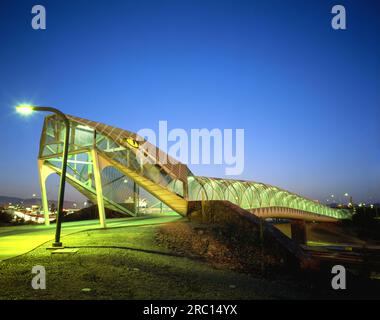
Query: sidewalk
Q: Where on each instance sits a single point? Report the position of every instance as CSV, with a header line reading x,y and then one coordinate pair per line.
x,y
17,240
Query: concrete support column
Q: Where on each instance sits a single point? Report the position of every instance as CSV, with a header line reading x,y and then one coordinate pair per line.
x,y
136,198
99,189
185,189
44,172
298,231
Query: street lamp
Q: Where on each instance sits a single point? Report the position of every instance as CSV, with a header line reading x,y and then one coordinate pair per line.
x,y
26,109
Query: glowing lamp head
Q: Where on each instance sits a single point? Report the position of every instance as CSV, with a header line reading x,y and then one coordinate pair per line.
x,y
24,109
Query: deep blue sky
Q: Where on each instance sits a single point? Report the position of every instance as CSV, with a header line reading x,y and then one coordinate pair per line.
x,y
307,96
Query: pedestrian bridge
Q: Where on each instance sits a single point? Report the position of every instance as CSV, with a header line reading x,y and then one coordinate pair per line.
x,y
111,166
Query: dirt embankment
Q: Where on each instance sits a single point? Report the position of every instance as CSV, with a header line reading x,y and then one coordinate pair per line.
x,y
219,245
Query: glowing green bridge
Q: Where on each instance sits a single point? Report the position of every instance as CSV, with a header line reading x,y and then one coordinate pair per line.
x,y
111,168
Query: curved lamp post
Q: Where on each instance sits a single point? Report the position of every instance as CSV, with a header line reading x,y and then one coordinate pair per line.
x,y
28,109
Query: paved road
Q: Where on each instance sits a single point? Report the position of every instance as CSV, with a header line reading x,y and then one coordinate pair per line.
x,y
17,240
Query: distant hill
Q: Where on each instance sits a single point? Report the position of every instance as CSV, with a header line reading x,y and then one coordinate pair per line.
x,y
5,200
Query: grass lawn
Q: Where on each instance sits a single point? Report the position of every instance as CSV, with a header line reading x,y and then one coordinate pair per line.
x,y
129,265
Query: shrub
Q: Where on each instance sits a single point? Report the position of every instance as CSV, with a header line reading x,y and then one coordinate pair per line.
x,y
5,217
